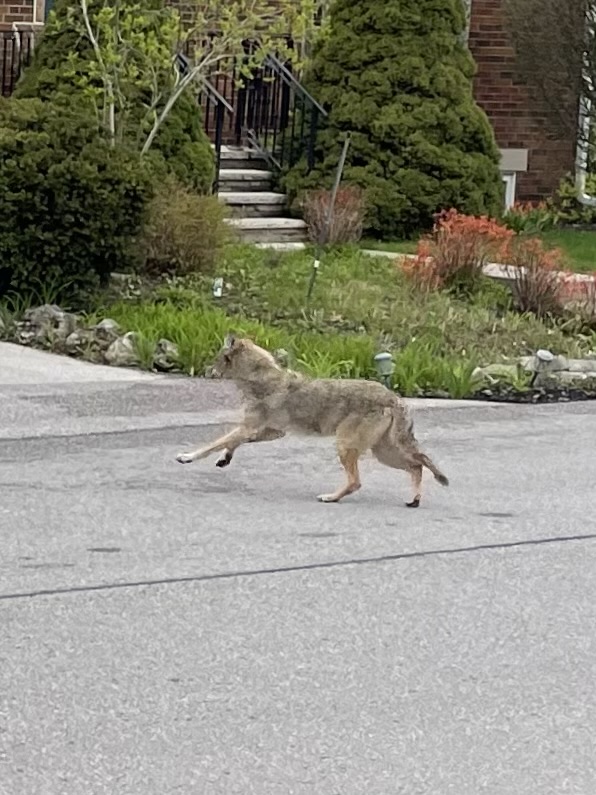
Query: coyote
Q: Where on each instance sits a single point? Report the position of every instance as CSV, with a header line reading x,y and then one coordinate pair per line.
x,y
363,415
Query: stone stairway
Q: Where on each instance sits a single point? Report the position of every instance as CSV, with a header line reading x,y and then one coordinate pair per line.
x,y
258,214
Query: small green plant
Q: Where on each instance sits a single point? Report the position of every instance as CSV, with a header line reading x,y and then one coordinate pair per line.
x,y
322,364
50,291
458,378
530,218
7,322
566,207
145,349
520,381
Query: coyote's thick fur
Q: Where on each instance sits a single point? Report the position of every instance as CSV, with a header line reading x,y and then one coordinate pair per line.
x,y
363,415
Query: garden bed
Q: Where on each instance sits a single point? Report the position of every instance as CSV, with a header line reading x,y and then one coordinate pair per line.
x,y
359,306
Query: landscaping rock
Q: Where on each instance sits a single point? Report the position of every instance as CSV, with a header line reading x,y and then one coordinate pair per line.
x,y
576,377
166,356
581,365
106,332
282,357
80,342
123,352
557,380
496,372
46,325
532,364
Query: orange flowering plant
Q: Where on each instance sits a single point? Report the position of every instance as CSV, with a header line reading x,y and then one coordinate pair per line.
x,y
454,254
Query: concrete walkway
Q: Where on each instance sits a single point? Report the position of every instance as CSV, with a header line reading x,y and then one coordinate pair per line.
x,y
494,270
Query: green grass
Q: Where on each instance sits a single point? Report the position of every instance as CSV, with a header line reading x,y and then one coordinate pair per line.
x,y
360,305
579,246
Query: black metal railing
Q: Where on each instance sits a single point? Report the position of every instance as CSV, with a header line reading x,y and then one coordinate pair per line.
x,y
218,113
16,49
282,119
273,112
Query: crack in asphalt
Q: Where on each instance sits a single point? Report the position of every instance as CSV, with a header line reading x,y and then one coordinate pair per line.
x,y
230,575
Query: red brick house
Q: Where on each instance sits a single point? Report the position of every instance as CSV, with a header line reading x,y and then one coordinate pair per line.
x,y
534,156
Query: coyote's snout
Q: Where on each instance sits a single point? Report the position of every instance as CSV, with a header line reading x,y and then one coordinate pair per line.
x,y
363,415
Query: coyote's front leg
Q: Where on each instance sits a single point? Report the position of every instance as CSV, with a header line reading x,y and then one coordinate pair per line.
x,y
264,435
230,440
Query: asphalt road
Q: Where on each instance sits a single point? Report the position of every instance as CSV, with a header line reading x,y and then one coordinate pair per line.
x,y
169,629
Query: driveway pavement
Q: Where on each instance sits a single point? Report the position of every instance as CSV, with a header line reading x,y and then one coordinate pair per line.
x,y
169,629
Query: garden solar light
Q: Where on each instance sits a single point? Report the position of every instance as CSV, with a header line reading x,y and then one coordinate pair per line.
x,y
218,287
542,359
544,356
385,367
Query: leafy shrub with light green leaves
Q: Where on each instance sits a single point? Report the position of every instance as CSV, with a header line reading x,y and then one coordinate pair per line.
x,y
64,70
567,208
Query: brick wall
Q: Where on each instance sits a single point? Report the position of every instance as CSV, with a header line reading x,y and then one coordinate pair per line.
x,y
17,11
519,121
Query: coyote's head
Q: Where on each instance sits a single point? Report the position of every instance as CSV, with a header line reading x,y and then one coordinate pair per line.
x,y
242,360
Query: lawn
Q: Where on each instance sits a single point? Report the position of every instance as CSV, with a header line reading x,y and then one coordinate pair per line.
x,y
360,305
579,246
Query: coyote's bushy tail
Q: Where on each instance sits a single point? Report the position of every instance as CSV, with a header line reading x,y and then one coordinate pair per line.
x,y
438,475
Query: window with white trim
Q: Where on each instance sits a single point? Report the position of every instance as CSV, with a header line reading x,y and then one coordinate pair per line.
x,y
509,180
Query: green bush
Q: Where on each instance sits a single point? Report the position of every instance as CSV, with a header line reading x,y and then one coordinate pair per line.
x,y
566,206
184,232
399,78
530,218
181,146
70,207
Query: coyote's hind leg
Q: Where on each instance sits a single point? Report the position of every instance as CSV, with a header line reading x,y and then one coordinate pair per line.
x,y
390,454
354,436
416,475
349,461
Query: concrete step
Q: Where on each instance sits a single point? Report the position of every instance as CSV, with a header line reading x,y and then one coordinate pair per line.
x,y
240,157
251,180
253,204
269,230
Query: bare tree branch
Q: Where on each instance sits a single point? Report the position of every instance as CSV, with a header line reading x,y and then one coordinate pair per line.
x,y
555,55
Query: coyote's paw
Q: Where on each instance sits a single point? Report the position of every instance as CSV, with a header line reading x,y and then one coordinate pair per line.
x,y
224,460
327,498
184,458
414,504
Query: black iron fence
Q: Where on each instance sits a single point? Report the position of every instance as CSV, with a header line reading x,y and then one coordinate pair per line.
x,y
16,49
